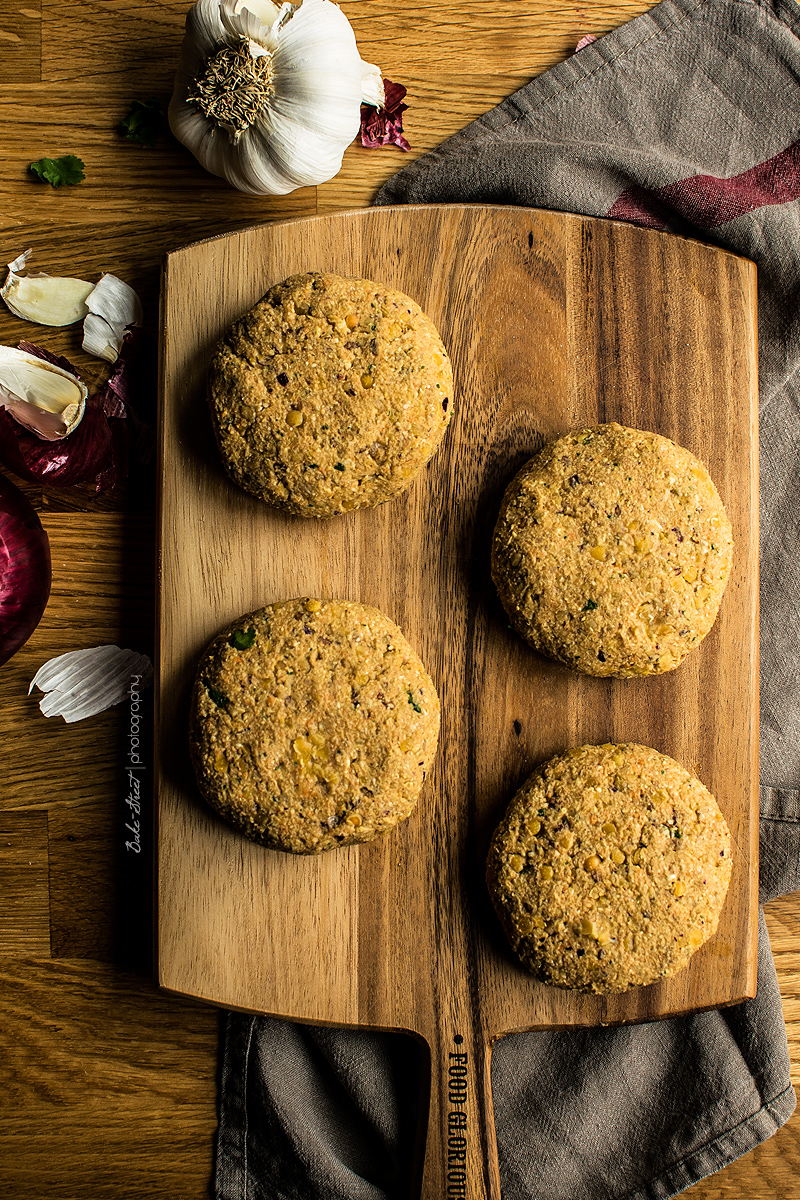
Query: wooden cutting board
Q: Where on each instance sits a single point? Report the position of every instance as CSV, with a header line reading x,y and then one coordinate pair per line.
x,y
553,321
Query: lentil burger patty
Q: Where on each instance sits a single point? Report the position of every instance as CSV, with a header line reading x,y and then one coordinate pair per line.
x,y
611,551
329,395
313,724
609,868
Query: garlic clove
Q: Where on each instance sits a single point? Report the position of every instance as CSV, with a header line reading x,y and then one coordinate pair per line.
x,y
39,395
243,21
334,114
263,169
204,34
266,12
317,83
115,300
99,338
210,144
320,78
44,299
280,159
186,121
113,305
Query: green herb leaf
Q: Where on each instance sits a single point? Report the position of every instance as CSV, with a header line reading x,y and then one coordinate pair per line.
x,y
218,698
58,171
242,639
144,123
413,703
589,606
338,466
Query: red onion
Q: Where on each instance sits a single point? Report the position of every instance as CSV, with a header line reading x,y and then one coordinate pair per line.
x,y
25,574
109,438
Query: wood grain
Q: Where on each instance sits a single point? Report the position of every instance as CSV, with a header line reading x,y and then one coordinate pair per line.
x,y
109,1086
64,85
541,342
25,911
21,41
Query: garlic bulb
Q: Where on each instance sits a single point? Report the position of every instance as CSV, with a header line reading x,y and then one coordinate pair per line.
x,y
43,397
45,299
270,98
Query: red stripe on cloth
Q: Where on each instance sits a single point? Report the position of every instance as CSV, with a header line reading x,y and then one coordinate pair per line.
x,y
707,201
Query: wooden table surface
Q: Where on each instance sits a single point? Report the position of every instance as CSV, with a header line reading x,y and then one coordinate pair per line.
x,y
109,1085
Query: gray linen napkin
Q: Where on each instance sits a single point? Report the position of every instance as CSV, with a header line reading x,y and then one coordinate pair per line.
x,y
685,119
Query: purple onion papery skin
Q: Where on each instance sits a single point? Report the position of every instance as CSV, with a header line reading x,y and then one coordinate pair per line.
x,y
384,126
25,571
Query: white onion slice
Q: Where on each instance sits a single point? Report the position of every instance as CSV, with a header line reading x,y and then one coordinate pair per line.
x,y
81,683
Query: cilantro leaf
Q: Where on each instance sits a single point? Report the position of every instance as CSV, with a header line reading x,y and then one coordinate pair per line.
x,y
217,696
413,702
58,171
144,123
242,639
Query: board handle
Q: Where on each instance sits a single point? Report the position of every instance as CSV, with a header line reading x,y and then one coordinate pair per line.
x,y
460,1153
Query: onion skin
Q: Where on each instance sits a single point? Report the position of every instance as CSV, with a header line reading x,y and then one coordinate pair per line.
x,y
25,572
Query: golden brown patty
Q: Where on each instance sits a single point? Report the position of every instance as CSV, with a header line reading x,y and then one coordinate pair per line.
x,y
609,868
330,394
611,551
313,724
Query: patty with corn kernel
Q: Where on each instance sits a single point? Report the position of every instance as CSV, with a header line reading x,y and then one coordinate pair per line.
x,y
609,868
312,725
611,552
329,395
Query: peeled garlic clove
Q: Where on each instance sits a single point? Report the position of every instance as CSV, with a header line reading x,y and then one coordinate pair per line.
x,y
81,683
265,10
41,396
45,299
113,306
255,18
